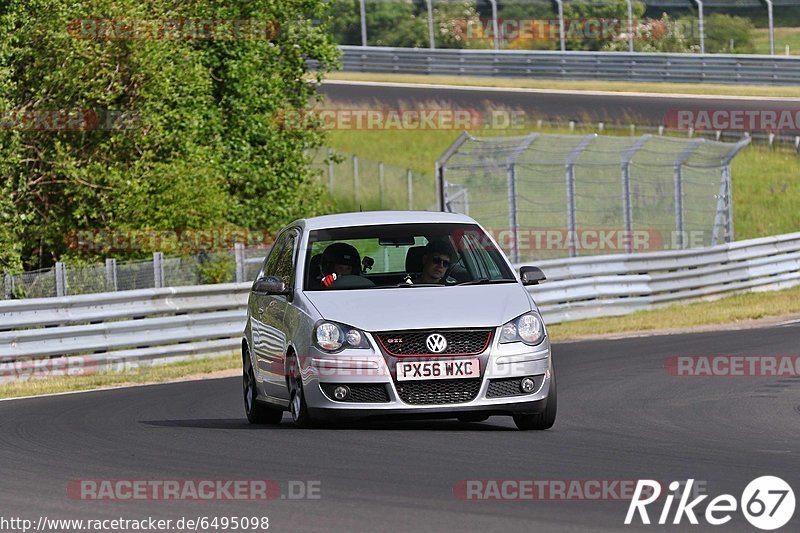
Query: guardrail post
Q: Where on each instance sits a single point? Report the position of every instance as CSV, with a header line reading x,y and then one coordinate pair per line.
x,y
61,279
111,274
409,178
158,270
380,181
238,256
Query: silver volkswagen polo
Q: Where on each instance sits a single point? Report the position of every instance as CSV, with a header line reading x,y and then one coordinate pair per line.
x,y
394,314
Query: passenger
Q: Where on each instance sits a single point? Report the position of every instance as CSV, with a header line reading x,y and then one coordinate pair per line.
x,y
339,259
436,262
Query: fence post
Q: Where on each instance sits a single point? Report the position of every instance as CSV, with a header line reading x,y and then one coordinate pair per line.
x,y
355,178
771,28
627,207
61,279
363,15
158,269
572,235
700,26
8,285
431,38
561,25
410,189
111,274
678,177
330,171
380,179
238,255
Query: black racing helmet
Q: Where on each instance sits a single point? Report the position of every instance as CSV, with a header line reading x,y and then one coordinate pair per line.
x,y
340,253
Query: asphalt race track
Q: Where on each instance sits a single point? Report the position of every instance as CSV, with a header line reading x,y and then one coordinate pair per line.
x,y
622,416
551,105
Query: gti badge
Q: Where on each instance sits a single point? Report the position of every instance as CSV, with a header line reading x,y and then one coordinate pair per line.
x,y
436,343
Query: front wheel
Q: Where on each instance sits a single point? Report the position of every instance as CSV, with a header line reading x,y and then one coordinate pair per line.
x,y
297,400
543,420
257,412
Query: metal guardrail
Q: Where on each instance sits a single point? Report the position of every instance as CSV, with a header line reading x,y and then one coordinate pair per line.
x,y
587,287
546,64
114,331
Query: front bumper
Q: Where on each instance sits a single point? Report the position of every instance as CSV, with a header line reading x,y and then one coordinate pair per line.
x,y
498,363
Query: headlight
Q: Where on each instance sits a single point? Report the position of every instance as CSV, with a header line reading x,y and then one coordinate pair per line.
x,y
332,337
528,328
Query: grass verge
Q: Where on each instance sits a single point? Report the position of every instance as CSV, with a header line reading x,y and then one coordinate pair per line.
x,y
579,85
783,37
151,374
729,310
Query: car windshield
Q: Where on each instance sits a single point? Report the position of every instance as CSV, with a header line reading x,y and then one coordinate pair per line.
x,y
403,255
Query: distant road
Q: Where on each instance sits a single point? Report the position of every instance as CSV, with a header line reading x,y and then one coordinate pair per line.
x,y
589,106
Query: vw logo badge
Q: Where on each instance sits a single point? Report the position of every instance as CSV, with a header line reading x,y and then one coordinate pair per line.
x,y
436,343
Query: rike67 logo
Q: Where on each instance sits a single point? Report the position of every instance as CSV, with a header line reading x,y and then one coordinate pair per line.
x,y
767,503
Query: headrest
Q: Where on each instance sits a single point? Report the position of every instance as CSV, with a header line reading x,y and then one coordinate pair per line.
x,y
414,259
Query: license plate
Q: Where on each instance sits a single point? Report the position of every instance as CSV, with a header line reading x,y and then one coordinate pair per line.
x,y
448,369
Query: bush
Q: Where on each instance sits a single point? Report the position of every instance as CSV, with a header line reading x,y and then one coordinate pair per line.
x,y
203,149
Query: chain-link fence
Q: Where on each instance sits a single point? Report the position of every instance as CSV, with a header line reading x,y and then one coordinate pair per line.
x,y
549,196
238,265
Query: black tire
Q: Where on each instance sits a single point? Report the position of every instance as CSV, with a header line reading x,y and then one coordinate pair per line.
x,y
546,418
257,412
472,418
297,400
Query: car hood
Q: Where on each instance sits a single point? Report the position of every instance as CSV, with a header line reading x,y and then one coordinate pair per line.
x,y
424,307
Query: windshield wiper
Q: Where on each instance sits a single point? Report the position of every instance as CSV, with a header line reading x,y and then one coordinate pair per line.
x,y
419,285
481,281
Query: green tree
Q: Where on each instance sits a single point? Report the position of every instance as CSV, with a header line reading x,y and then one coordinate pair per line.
x,y
721,30
200,147
613,13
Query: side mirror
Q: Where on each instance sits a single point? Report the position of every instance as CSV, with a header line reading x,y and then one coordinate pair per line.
x,y
270,285
531,275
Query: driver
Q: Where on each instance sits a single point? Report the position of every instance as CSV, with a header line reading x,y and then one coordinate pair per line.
x,y
436,262
339,259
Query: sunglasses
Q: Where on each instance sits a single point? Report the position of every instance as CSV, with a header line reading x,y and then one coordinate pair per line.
x,y
440,260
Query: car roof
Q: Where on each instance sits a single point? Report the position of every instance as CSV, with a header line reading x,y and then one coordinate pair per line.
x,y
376,218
